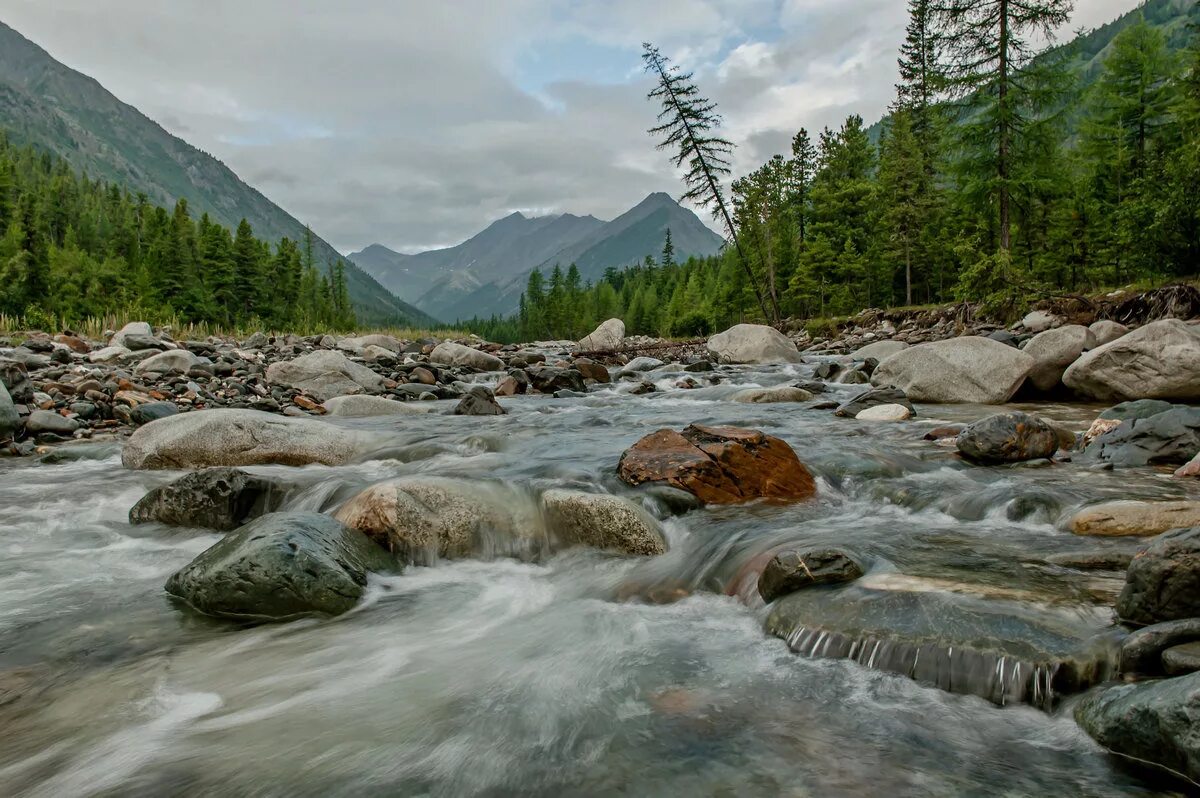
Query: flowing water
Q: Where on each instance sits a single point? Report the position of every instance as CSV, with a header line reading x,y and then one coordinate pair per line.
x,y
566,675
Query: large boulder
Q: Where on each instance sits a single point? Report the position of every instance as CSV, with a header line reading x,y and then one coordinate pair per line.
x,y
452,354
1054,350
602,521
171,361
605,338
1158,361
212,498
719,465
1172,437
1142,651
1008,438
323,375
1137,409
880,350
1152,722
753,343
1163,580
280,566
782,393
1128,517
792,570
362,406
967,369
873,398
240,438
49,421
10,420
133,328
1106,331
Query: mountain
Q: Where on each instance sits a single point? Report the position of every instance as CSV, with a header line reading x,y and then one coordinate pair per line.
x,y
485,274
55,108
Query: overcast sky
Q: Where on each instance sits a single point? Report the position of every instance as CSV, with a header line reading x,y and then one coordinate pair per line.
x,y
414,124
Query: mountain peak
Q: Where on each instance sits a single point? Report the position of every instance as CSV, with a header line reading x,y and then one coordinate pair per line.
x,y
658,198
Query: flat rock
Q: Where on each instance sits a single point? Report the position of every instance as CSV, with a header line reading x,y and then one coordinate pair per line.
x,y
784,393
452,354
323,375
1128,517
602,521
1172,437
753,343
969,369
873,398
1158,361
885,413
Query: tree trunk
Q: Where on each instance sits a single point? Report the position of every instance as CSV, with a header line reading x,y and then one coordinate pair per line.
x,y
907,273
1003,154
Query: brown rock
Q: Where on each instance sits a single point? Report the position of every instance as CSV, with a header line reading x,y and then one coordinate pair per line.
x,y
507,387
1190,468
73,343
1099,427
941,433
591,370
1119,518
423,375
719,465
308,404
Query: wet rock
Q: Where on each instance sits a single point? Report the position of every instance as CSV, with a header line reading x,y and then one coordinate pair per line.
x,y
943,433
235,437
1163,581
640,364
967,369
323,375
1008,438
361,406
1189,469
1142,651
591,370
1172,437
10,420
885,413
872,398
1182,659
702,366
1152,722
452,354
479,401
753,343
41,421
1158,361
665,500
548,379
1107,331
782,393
1054,350
606,337
152,411
812,386
213,498
1092,560
1129,517
879,351
789,571
1137,409
643,387
508,386
719,465
280,566
602,521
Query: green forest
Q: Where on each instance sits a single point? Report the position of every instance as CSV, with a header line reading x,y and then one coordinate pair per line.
x,y
73,249
1001,175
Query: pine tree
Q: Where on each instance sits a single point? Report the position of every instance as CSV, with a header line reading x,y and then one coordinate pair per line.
x,y
246,276
668,251
904,193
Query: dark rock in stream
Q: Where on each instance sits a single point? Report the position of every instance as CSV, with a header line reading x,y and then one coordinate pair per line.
x,y
1172,436
1181,659
1163,581
214,498
479,401
873,398
1008,438
152,411
789,571
1141,652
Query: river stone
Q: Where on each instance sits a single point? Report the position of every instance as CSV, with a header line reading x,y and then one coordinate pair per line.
x,y
967,369
880,350
212,498
1128,517
280,566
885,413
140,343
362,406
753,343
608,336
640,364
1054,350
784,393
108,354
602,521
718,465
1037,321
49,421
359,344
789,571
479,401
1137,409
1106,331
1141,652
872,398
151,411
1189,469
132,328
1163,581
1172,437
235,437
10,420
452,354
323,375
1158,361
1151,722
1181,659
1008,438
550,379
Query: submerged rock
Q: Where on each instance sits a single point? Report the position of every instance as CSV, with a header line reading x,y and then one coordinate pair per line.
x,y
280,566
966,369
1008,438
602,521
792,570
753,343
784,393
323,375
873,398
213,498
1158,361
1163,581
1128,517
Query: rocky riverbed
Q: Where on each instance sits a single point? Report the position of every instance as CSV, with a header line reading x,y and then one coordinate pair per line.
x,y
951,564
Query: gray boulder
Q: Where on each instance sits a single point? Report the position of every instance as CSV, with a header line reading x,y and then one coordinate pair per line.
x,y
362,406
789,571
323,375
1008,438
602,521
213,498
1158,361
132,328
136,342
152,411
753,343
109,354
1169,437
880,350
280,566
967,369
1163,580
10,420
873,398
1137,409
605,338
782,393
48,421
1107,331
1054,350
640,364
479,401
452,354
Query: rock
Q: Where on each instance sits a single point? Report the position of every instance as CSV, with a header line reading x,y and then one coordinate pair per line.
x,y
1008,438
1151,722
783,393
109,354
173,361
943,433
1099,427
753,343
508,386
256,341
640,364
74,343
880,350
643,387
479,401
1005,337
152,411
872,398
137,343
1054,350
213,498
1128,517
606,337
1189,469
362,343
1170,437
452,354
423,376
1163,581
1092,560
323,375
1142,651
361,406
1137,409
1037,321
48,421
1107,331
132,328
789,571
1181,659
280,566
602,521
591,370
549,379
885,413
719,465
701,367
967,369
10,420
1158,361
229,437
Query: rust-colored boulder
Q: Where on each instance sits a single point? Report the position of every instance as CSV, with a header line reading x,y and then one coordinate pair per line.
x,y
718,465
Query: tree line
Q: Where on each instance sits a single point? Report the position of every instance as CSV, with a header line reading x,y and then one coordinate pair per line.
x,y
72,248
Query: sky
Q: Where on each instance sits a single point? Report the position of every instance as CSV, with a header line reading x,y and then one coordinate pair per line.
x,y
415,123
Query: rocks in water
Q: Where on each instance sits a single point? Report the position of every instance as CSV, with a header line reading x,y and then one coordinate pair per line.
x,y
718,465
479,401
966,369
783,393
151,411
605,338
40,421
1169,437
879,350
876,396
1142,652
885,413
173,361
10,420
591,370
363,406
452,354
643,363
602,521
212,498
1137,409
1054,350
1181,659
1008,438
232,437
1163,581
1127,517
792,570
323,375
753,343
1107,560
1151,722
280,566
946,433
549,379
1158,361
1106,331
